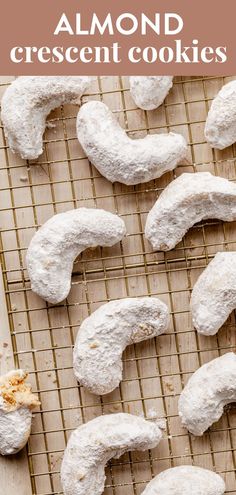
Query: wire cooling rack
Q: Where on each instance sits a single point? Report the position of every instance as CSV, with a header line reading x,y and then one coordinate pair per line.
x,y
43,335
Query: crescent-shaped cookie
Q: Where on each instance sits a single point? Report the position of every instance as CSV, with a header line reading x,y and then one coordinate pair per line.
x,y
60,240
186,480
149,92
209,389
214,294
220,129
104,335
185,201
120,158
26,104
93,444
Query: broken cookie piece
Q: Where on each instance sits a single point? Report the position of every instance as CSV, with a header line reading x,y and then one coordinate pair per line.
x,y
16,404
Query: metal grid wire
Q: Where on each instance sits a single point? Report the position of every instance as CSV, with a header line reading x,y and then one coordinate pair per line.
x,y
43,335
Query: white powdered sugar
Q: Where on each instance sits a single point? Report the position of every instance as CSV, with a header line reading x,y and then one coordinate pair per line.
x,y
149,92
26,104
104,335
60,240
120,158
93,444
209,389
185,201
